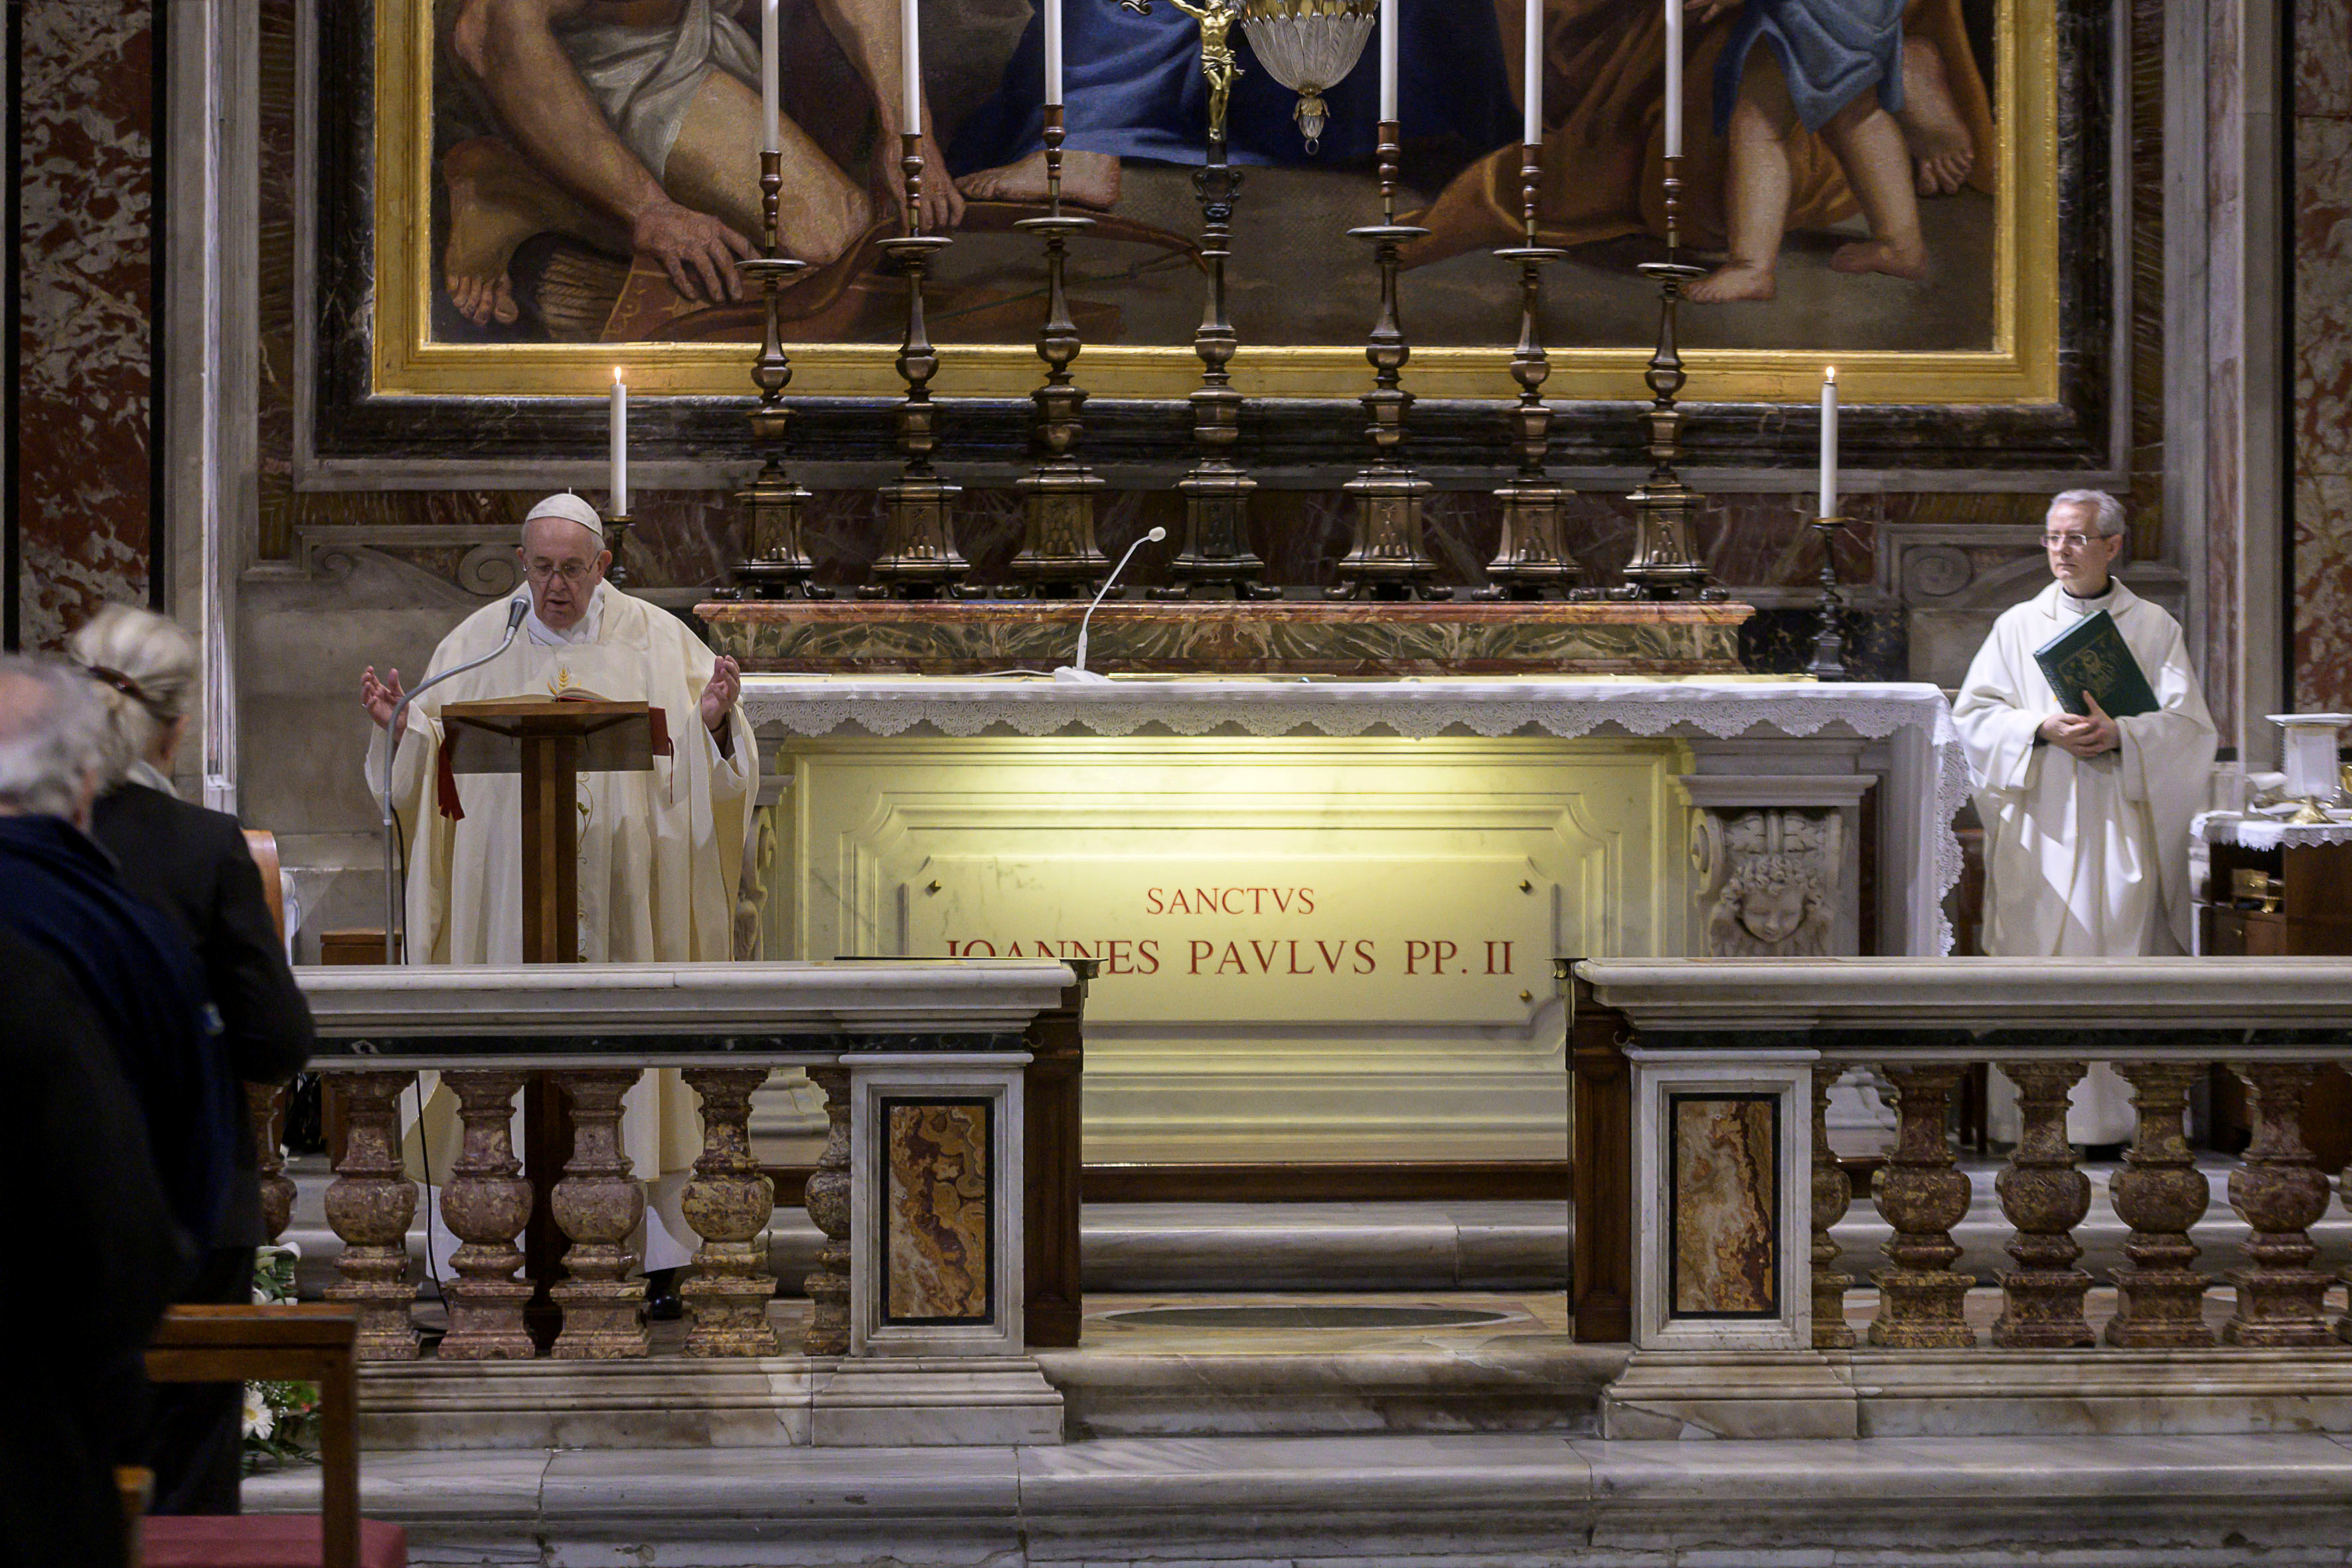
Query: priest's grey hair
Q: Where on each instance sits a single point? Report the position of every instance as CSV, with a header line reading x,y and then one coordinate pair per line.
x,y
2107,513
145,667
52,739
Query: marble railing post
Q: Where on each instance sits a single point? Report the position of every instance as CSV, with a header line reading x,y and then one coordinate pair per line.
x,y
265,1112
1922,1195
2160,1193
485,1205
2279,1193
1832,1195
828,1208
599,1203
369,1208
2045,1197
727,1202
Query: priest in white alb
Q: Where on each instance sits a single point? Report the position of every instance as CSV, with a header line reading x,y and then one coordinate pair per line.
x,y
660,851
2085,818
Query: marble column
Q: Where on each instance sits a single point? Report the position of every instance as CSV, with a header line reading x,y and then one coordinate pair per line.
x,y
2279,1193
727,1202
599,1205
828,1208
1832,1195
264,1110
485,1205
2160,1193
2045,1197
1922,1195
369,1208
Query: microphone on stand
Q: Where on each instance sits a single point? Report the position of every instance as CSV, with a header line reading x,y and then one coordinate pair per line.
x,y
1076,672
516,610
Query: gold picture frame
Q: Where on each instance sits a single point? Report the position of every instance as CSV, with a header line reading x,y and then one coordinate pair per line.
x,y
2019,368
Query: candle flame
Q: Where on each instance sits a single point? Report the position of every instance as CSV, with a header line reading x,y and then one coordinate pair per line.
x,y
1829,374
616,375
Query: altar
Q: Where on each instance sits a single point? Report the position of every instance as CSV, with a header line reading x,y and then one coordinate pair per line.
x,y
1328,915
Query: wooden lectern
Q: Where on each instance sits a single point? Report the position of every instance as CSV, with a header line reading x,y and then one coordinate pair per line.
x,y
551,744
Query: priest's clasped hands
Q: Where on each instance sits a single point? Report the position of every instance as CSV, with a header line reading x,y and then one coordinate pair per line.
x,y
2086,736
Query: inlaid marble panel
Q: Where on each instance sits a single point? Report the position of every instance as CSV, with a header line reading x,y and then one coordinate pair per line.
x,y
2322,606
85,195
1723,1200
937,1190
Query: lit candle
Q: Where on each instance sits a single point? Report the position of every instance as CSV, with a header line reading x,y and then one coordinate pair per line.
x,y
1533,94
1388,62
1673,78
910,33
1829,442
1053,54
620,501
772,115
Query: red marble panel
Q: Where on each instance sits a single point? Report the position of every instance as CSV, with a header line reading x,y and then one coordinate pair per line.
x,y
84,396
2323,57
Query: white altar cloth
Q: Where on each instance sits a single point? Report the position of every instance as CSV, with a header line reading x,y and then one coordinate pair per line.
x,y
1926,783
2254,831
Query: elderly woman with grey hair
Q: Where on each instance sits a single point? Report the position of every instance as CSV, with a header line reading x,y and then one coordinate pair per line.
x,y
192,865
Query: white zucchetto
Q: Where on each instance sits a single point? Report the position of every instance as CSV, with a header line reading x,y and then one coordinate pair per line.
x,y
570,507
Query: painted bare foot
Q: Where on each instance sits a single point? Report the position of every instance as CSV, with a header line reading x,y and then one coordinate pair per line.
x,y
487,222
1733,281
1878,255
1942,151
1088,180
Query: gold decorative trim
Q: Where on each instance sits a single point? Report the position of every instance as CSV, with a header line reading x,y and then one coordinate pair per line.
x,y
2021,367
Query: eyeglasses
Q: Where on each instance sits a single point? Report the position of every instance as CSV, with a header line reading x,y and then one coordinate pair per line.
x,y
2066,542
572,571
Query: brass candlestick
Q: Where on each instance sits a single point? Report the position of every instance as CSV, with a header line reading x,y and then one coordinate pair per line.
x,y
1059,557
918,559
1829,643
1663,566
616,540
1388,560
779,566
1215,561
1531,558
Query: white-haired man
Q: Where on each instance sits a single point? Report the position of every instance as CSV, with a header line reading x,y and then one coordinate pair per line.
x,y
2086,819
660,851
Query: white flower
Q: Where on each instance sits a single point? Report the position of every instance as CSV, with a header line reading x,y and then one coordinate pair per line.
x,y
260,1420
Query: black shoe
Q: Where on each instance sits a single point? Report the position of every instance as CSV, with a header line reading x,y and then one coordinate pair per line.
x,y
663,1303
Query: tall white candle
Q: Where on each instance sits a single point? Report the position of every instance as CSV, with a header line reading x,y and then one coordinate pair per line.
x,y
1532,97
1829,443
772,115
1673,78
1053,54
910,33
1389,62
620,501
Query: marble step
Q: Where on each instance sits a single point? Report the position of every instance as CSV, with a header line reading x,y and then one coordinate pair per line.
x,y
1488,1499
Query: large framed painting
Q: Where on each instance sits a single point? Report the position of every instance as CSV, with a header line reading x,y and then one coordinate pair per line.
x,y
527,193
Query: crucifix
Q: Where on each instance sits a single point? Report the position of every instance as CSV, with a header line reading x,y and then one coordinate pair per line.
x,y
1218,62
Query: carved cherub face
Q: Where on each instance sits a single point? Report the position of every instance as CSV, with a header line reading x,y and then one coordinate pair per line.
x,y
1771,914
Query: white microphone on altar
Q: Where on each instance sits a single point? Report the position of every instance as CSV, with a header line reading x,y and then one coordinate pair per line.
x,y
517,608
1077,672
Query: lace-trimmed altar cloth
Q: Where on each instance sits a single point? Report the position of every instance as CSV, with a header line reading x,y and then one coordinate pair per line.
x,y
1927,779
2257,832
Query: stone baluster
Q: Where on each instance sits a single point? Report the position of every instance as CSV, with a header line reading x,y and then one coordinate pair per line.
x,y
828,1208
2279,1192
265,1114
1833,1194
727,1203
2160,1193
2045,1197
599,1205
486,1206
1922,1194
2344,1323
369,1208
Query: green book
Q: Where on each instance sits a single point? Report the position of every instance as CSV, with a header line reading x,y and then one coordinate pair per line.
x,y
2092,657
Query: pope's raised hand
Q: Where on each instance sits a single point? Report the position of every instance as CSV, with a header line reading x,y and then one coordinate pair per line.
x,y
382,698
719,695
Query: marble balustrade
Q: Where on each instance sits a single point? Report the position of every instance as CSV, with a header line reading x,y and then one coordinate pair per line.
x,y
1736,1189
921,1065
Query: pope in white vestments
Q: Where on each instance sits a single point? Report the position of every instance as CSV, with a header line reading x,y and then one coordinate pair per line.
x,y
2086,819
660,851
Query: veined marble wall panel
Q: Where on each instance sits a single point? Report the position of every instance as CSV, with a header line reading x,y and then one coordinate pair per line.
x,y
83,397
2323,355
1386,1021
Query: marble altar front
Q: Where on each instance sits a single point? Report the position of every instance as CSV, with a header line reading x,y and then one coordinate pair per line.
x,y
1328,913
